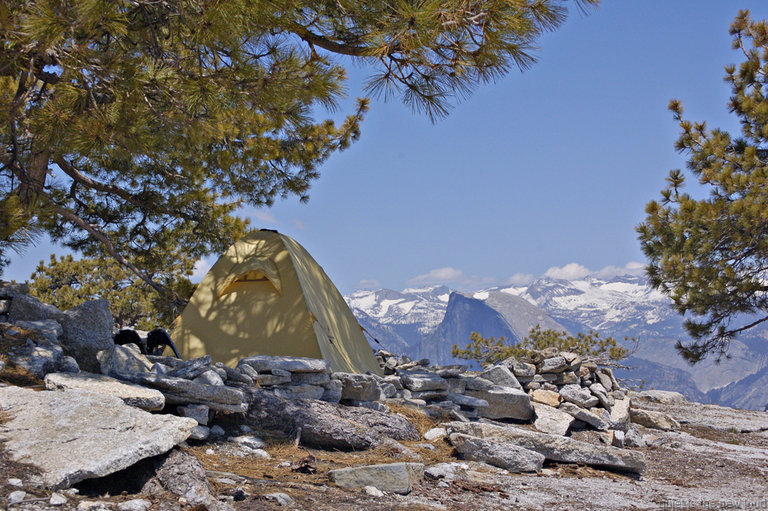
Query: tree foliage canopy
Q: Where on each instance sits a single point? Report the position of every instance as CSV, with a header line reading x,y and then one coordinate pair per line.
x,y
66,283
591,346
710,255
136,128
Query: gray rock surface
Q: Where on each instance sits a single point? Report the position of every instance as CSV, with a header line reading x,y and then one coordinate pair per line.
x,y
181,391
551,420
119,359
653,420
87,330
553,365
504,403
28,308
707,416
131,394
325,425
293,364
519,369
183,475
579,396
555,447
660,396
422,381
201,413
501,375
620,419
586,416
499,454
299,391
394,477
80,435
360,387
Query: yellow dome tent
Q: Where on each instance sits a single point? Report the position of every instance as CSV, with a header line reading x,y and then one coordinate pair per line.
x,y
267,296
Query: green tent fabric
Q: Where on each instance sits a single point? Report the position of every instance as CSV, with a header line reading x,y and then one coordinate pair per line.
x,y
267,296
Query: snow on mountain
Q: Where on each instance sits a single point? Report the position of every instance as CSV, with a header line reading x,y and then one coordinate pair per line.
x,y
625,302
424,307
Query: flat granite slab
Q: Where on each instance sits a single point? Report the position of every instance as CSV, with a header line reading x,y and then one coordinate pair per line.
x,y
76,435
130,393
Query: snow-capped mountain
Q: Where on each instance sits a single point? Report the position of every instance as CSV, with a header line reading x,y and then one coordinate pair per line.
x,y
625,303
427,322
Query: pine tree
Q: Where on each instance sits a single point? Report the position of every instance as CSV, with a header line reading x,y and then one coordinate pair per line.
x,y
710,255
66,283
136,128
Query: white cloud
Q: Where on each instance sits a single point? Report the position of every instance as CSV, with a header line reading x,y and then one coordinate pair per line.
x,y
299,224
452,277
437,276
521,279
368,284
631,268
201,268
571,271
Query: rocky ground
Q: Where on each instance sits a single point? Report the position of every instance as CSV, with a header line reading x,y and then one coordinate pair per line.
x,y
704,465
87,424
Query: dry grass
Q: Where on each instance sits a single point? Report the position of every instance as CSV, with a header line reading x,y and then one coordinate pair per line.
x,y
419,418
13,339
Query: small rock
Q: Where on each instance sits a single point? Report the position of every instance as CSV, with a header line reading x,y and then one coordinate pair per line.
x,y
551,420
16,496
446,471
359,387
423,380
209,377
134,505
15,482
293,364
282,499
332,391
660,396
252,442
199,433
434,434
499,454
546,397
373,491
501,375
217,431
260,453
553,365
299,392
653,420
200,413
394,477
504,403
578,396
240,495
57,499
520,369
633,438
605,381
594,420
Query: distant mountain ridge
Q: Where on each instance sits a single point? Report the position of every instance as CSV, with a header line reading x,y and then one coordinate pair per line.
x,y
427,322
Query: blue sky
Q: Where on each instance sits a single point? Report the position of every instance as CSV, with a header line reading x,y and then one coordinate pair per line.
x,y
541,169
